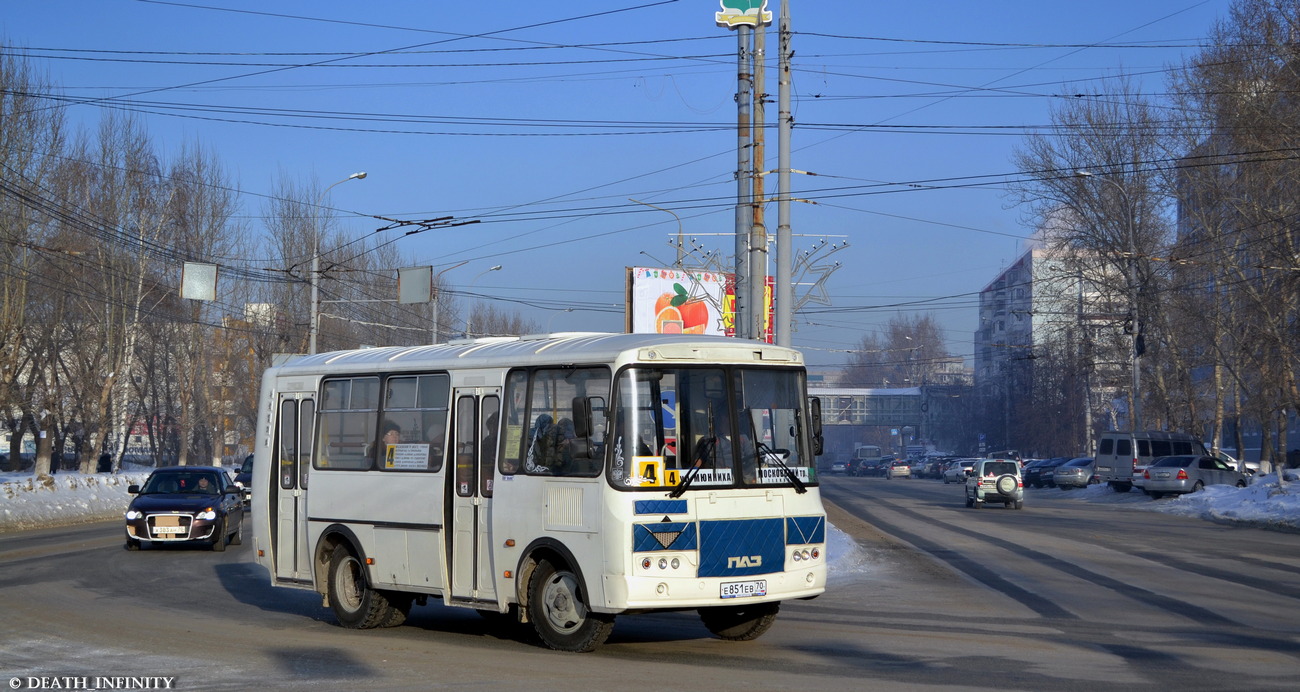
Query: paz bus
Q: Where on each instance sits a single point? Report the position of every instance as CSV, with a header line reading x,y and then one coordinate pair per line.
x,y
559,480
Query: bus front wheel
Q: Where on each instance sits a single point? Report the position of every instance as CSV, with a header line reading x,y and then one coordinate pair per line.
x,y
740,623
355,604
559,613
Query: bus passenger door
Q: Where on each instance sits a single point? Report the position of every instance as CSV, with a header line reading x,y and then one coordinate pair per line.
x,y
474,430
291,458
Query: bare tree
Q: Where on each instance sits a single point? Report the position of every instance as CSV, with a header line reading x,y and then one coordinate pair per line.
x,y
31,141
1094,169
905,354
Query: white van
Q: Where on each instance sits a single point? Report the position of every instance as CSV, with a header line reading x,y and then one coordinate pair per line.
x,y
1122,457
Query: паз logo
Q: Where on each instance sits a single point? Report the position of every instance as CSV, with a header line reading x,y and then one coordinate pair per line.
x,y
745,561
737,12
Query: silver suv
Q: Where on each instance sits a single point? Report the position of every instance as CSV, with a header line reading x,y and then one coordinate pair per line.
x,y
995,480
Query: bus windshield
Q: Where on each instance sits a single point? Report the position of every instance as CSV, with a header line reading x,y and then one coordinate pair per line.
x,y
713,426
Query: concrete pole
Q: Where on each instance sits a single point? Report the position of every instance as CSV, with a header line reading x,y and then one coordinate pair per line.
x,y
758,231
783,297
743,189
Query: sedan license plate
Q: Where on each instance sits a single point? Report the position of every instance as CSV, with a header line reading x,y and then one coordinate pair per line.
x,y
160,530
743,589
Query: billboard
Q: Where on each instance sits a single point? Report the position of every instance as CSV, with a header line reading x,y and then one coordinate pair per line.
x,y
685,301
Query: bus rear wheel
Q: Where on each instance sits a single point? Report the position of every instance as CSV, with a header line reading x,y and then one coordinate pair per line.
x,y
559,612
740,623
355,604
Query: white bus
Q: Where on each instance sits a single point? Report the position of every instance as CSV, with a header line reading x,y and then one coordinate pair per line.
x,y
561,479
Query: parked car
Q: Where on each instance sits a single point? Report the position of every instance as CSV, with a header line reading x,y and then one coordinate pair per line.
x,y
244,479
1250,468
995,480
956,471
1123,456
185,503
898,469
1076,473
1188,474
1033,473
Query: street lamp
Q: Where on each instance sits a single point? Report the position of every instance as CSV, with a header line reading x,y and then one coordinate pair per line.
x,y
437,289
469,313
1136,332
315,260
679,227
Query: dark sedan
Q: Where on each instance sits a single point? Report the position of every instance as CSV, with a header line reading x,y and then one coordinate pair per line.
x,y
185,503
1035,473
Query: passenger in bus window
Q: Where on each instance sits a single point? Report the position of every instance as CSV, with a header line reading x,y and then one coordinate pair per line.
x,y
538,445
435,435
392,434
490,440
564,444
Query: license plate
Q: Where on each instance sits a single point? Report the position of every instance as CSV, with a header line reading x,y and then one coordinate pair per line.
x,y
159,530
744,589
1103,468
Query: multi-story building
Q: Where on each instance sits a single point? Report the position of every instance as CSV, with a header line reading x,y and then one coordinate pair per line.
x,y
1042,302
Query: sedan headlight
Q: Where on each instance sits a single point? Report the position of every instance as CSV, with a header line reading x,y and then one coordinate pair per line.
x,y
134,514
207,515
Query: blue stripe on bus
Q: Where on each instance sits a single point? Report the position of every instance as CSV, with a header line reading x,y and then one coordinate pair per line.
x,y
664,535
802,530
741,547
660,506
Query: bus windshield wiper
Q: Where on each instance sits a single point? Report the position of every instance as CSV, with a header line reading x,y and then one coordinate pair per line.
x,y
766,452
704,449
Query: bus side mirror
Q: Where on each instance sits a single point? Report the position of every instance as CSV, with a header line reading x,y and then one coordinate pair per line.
x,y
815,404
589,420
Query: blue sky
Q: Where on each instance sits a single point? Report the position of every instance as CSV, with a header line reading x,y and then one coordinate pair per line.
x,y
484,110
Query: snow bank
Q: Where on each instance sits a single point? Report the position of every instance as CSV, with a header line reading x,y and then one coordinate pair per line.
x,y
27,501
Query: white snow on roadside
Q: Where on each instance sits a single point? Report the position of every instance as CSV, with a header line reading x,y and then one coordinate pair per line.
x,y
27,502
1262,502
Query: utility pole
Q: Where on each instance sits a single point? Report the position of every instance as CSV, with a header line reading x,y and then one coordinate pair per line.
x,y
783,297
740,292
743,292
757,230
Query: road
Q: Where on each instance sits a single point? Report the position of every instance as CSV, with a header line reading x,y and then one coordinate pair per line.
x,y
1059,596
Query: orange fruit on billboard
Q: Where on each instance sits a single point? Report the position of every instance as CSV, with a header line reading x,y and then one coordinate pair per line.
x,y
695,313
668,321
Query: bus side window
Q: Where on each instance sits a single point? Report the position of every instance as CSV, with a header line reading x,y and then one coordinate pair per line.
x,y
513,430
466,442
491,407
349,412
287,452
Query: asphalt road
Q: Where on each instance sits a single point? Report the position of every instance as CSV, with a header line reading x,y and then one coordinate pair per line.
x,y
1058,596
